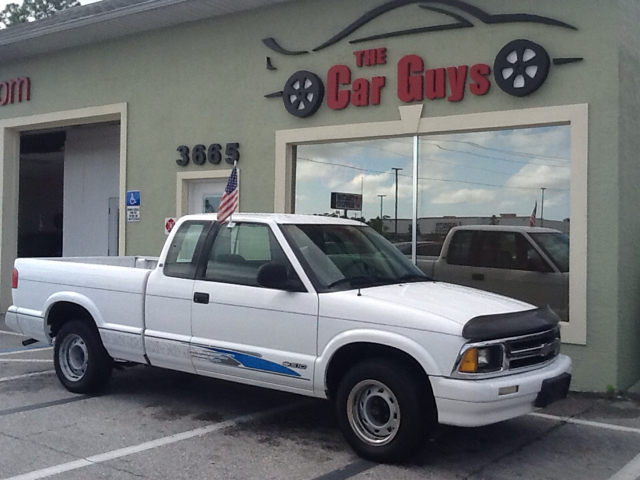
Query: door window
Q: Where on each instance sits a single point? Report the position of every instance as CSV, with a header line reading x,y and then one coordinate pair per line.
x,y
182,258
502,250
459,248
238,253
205,195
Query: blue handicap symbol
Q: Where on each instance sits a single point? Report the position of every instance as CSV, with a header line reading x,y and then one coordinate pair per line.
x,y
133,198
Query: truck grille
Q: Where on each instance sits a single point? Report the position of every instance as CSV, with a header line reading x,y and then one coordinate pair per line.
x,y
532,349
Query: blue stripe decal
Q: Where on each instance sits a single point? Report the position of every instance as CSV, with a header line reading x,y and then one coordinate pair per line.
x,y
249,361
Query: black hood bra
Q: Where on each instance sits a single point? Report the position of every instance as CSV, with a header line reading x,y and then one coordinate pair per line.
x,y
506,325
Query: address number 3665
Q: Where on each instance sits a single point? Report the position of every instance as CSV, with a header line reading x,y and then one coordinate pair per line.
x,y
201,154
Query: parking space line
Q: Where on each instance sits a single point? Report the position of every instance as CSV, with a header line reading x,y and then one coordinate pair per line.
x,y
631,471
588,423
25,360
351,470
143,447
39,406
16,334
15,351
26,375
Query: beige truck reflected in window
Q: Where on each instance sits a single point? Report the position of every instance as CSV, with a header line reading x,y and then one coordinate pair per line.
x,y
527,263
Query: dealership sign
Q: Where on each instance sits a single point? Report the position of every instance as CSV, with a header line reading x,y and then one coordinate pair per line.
x,y
519,69
414,82
15,90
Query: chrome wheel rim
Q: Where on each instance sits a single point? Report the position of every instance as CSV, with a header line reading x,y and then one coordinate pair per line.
x,y
73,357
374,412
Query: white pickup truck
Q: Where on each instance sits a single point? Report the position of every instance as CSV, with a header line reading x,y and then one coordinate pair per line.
x,y
316,306
527,263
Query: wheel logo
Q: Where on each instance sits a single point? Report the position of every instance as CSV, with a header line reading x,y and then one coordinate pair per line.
x,y
303,94
521,67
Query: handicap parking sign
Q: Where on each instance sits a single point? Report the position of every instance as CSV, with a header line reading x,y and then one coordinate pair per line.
x,y
133,198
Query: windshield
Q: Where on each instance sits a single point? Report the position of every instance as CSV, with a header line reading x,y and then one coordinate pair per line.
x,y
556,246
342,257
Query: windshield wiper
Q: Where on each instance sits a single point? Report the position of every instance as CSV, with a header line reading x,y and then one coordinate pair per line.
x,y
360,281
413,277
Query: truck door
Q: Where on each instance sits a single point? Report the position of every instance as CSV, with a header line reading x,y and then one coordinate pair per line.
x,y
244,331
506,263
169,299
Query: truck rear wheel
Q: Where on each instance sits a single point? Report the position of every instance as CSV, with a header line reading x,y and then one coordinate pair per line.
x,y
383,412
81,361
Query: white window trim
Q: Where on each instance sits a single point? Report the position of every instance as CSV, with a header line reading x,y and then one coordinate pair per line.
x,y
182,186
575,331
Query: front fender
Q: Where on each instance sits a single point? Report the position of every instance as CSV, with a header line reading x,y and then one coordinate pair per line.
x,y
388,339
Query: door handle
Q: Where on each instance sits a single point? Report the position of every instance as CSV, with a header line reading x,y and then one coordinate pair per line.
x,y
200,297
477,276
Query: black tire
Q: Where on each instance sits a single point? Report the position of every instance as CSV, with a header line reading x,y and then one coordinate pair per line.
x,y
521,67
81,361
385,414
303,94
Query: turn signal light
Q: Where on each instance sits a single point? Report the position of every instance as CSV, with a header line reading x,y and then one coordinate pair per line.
x,y
469,363
14,278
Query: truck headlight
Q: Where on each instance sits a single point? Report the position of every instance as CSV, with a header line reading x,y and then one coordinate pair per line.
x,y
482,359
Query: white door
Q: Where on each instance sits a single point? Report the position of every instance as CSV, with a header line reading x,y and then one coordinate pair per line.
x,y
205,195
169,298
244,331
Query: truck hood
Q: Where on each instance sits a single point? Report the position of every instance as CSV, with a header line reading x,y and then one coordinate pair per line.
x,y
454,302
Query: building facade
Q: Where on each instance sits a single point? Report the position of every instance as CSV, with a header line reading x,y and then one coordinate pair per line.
x,y
117,117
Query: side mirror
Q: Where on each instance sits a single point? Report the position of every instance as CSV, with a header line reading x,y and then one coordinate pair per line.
x,y
273,275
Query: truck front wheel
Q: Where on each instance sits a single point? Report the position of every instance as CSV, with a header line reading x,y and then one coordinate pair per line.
x,y
382,411
81,361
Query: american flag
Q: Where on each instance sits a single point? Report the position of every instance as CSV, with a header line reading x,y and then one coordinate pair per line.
x,y
532,219
229,202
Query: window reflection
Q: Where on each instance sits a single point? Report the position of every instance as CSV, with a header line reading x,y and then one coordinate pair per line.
x,y
506,179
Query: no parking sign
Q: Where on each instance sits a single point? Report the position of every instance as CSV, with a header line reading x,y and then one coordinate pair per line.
x,y
169,223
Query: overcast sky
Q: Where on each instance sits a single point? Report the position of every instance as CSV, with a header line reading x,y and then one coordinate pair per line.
x,y
474,174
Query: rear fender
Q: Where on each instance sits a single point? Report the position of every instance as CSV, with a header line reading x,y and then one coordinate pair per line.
x,y
75,298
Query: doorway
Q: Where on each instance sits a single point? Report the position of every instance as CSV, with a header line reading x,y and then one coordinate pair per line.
x,y
69,191
41,186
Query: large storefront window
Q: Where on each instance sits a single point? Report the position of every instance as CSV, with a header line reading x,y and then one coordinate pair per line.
x,y
493,185
495,178
371,169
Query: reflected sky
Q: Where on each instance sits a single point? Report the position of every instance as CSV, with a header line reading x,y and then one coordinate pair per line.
x,y
463,174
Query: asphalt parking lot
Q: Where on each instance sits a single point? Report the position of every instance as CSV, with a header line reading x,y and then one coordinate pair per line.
x,y
150,423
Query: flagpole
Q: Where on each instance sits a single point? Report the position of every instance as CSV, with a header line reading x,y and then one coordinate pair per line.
x,y
542,208
230,221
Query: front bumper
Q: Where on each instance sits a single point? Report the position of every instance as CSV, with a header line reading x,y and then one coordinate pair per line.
x,y
472,403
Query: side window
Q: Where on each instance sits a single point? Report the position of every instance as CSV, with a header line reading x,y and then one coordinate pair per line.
x,y
428,249
181,261
529,259
498,250
506,253
238,253
460,248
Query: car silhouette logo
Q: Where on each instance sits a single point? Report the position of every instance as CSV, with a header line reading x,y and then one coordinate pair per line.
x,y
520,68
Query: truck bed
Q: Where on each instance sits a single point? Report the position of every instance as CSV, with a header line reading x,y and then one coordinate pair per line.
x,y
110,289
147,263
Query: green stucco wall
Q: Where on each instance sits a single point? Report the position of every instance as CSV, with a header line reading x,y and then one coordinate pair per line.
x,y
629,194
205,82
